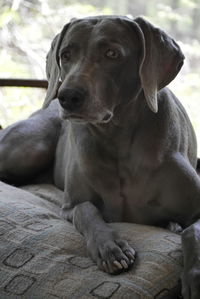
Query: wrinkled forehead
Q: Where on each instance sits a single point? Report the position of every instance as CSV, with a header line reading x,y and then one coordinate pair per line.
x,y
95,29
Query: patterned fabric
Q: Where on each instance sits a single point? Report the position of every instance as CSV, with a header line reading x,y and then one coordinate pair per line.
x,y
43,256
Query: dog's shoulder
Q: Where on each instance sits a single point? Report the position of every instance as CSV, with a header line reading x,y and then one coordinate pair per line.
x,y
168,102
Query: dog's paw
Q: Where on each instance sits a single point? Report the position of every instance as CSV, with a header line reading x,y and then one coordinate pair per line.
x,y
191,284
174,227
112,255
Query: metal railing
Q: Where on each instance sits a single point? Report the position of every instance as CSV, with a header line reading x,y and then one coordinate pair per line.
x,y
24,83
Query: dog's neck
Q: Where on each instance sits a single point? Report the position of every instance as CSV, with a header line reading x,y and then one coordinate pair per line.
x,y
118,133
126,116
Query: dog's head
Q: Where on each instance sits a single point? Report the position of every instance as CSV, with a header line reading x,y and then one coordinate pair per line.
x,y
98,63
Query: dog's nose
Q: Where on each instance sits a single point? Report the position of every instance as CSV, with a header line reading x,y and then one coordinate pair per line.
x,y
71,99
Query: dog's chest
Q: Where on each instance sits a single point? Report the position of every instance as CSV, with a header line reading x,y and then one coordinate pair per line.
x,y
140,199
116,172
126,190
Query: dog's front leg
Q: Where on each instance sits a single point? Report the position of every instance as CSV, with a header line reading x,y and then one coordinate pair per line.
x,y
191,254
105,247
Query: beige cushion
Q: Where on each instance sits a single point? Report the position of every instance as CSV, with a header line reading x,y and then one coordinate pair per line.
x,y
43,256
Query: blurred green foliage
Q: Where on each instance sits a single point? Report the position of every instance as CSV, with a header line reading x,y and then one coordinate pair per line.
x,y
28,26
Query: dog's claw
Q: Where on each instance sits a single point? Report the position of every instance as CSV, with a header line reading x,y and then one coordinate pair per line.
x,y
124,264
130,254
118,265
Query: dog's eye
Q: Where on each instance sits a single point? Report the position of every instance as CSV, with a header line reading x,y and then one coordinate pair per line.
x,y
65,56
113,54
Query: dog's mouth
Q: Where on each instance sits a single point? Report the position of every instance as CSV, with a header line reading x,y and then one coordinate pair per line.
x,y
79,118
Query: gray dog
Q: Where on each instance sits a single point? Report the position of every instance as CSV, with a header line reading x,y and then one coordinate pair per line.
x,y
124,147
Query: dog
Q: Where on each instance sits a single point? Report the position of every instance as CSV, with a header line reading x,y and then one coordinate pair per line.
x,y
122,144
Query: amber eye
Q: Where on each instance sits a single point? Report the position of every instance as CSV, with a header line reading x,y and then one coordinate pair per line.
x,y
113,54
65,56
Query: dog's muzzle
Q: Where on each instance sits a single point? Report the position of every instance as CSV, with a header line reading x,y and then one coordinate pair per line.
x,y
72,102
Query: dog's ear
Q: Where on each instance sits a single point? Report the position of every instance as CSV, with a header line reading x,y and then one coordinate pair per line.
x,y
53,67
161,62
